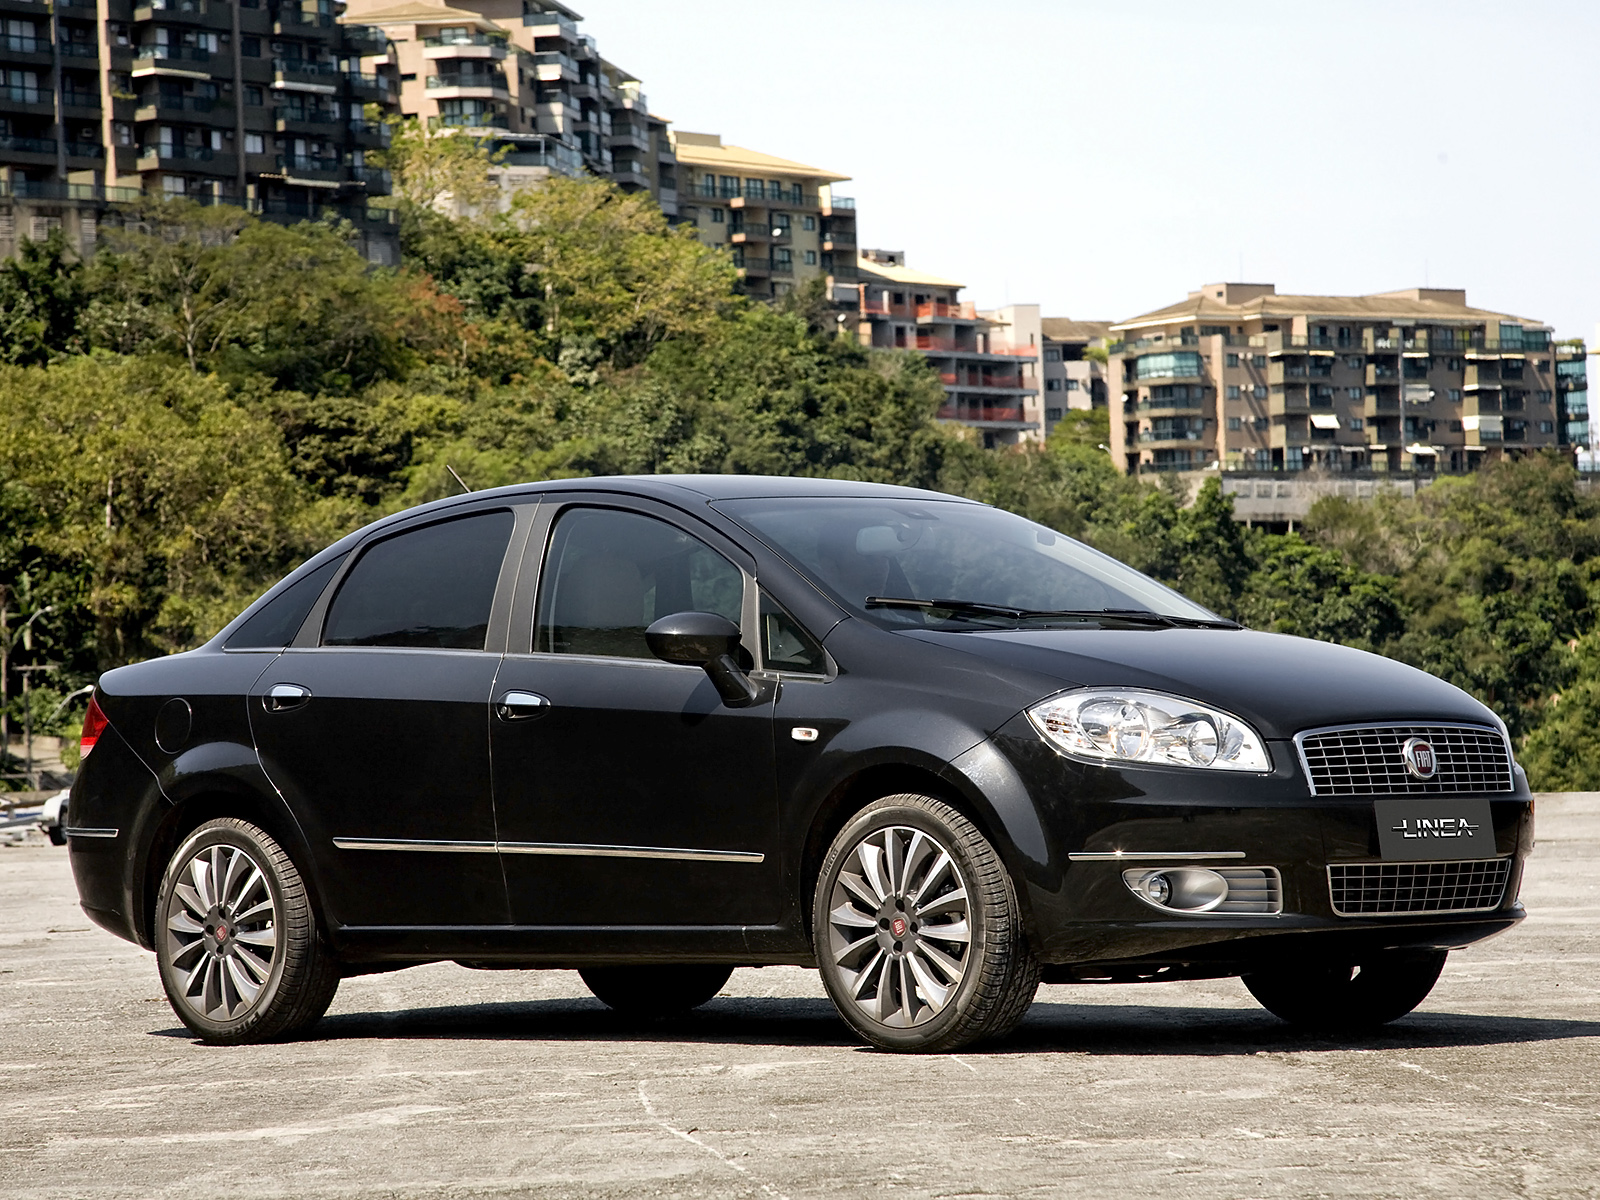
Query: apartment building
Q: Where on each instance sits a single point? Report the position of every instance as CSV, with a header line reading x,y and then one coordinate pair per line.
x,y
1239,377
779,219
520,75
248,102
986,361
1073,378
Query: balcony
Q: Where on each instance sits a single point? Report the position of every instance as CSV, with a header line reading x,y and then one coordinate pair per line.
x,y
839,202
1381,406
87,50
974,414
24,99
940,310
628,138
552,65
467,87
294,22
305,75
85,150
741,235
367,86
365,40
303,164
303,120
474,121
183,12
151,157
152,108
975,381
550,24
27,145
370,134
24,189
1382,373
1290,400
470,45
378,179
83,102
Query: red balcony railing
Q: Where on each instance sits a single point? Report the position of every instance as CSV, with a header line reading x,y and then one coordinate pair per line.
x,y
974,412
977,379
939,308
882,308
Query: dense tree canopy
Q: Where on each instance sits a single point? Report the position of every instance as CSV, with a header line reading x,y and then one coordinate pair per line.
x,y
211,398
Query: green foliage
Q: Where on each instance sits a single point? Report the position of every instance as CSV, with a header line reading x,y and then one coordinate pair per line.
x,y
212,398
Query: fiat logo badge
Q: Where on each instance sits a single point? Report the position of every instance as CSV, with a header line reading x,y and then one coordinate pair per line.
x,y
898,927
1419,758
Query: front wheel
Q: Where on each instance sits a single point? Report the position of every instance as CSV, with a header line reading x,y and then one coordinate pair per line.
x,y
655,991
236,939
917,929
1346,999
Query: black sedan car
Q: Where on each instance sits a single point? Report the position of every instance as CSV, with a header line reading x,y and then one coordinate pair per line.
x,y
657,728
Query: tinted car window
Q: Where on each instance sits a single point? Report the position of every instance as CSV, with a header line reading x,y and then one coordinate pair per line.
x,y
276,622
784,645
946,550
428,587
610,574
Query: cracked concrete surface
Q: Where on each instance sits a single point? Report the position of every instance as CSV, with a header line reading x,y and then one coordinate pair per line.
x,y
440,1081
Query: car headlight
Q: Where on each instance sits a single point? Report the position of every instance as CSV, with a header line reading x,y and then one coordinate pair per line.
x,y
1131,725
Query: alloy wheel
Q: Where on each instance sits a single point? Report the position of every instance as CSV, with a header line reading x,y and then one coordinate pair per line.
x,y
221,927
898,924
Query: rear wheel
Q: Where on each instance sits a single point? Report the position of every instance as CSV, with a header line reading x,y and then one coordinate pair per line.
x,y
236,939
655,991
917,929
1345,999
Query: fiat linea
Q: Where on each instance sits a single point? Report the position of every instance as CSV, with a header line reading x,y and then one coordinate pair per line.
x,y
653,729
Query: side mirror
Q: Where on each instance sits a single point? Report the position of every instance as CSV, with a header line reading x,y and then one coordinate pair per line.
x,y
708,641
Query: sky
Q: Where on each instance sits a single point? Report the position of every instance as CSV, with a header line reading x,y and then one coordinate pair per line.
x,y
1106,157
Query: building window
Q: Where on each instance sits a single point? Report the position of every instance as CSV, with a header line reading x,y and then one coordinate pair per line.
x,y
250,47
708,185
1052,385
1455,426
1544,397
1353,361
1234,424
1352,393
1547,426
1357,424
811,258
718,215
1260,423
808,223
254,143
1452,364
1052,414
1259,391
730,185
1455,394
1052,354
1233,392
1233,360
1258,360
1072,385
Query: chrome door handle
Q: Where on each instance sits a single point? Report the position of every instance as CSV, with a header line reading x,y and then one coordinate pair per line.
x,y
520,706
281,697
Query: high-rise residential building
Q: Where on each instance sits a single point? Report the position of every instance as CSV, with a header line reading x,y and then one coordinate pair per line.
x,y
1073,376
248,102
520,75
986,361
1239,377
780,219
1572,396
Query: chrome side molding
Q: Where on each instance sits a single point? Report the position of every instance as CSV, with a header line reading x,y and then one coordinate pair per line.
x,y
557,849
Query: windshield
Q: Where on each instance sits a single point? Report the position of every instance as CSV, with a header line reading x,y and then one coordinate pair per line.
x,y
869,551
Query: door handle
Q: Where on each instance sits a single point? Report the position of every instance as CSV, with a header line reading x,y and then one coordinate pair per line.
x,y
281,697
521,706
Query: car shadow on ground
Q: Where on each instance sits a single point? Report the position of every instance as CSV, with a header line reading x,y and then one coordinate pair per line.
x,y
1100,1029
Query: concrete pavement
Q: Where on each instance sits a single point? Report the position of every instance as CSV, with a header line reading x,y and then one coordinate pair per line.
x,y
440,1081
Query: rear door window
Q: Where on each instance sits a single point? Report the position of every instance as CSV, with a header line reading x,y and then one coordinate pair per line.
x,y
425,588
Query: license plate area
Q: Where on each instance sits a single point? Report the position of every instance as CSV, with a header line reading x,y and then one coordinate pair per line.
x,y
1420,830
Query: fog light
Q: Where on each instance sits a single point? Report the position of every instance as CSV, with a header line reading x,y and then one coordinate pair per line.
x,y
1180,889
1155,888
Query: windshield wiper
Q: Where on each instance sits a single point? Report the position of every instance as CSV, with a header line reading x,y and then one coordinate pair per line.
x,y
1139,616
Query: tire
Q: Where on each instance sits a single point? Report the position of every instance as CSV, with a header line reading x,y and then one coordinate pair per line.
x,y
917,929
56,835
1343,999
242,962
655,991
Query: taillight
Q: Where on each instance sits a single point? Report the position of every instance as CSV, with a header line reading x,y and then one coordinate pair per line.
x,y
94,722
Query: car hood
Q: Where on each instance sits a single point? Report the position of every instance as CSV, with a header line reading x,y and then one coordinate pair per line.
x,y
1280,684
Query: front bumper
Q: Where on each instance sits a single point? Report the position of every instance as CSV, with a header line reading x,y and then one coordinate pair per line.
x,y
1085,917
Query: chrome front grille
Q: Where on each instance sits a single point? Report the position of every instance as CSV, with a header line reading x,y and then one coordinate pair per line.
x,y
1366,760
1387,889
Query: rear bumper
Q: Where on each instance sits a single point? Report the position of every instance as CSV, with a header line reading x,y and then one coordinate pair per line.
x,y
114,798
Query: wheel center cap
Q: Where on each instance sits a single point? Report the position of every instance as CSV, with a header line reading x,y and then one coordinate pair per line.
x,y
222,933
898,927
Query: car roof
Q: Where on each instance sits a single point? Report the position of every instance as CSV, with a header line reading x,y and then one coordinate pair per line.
x,y
741,487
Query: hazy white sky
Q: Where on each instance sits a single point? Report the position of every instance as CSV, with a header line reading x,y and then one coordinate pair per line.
x,y
1104,158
